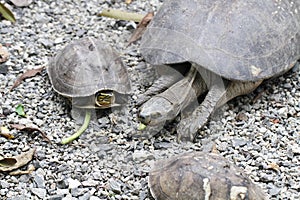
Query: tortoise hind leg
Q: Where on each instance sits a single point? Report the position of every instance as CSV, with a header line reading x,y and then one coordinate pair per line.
x,y
217,96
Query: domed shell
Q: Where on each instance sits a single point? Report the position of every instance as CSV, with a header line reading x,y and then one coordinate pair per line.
x,y
198,176
238,40
87,66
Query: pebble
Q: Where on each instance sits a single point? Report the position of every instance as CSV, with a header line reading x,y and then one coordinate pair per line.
x,y
40,192
274,191
73,183
4,184
115,186
39,180
238,142
86,196
62,191
140,156
94,198
90,183
54,197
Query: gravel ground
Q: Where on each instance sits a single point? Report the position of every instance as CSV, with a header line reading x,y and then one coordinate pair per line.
x,y
253,131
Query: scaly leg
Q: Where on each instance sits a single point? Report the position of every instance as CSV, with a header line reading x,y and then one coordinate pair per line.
x,y
166,106
168,76
220,92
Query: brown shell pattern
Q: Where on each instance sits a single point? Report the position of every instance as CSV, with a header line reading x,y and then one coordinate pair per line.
x,y
87,66
201,176
238,40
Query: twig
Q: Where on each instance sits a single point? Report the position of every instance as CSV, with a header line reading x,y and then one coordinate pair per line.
x,y
121,15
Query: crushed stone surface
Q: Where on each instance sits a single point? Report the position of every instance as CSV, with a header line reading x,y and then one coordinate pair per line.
x,y
259,132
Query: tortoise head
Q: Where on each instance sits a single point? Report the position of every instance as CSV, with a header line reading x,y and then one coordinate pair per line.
x,y
101,100
156,110
105,99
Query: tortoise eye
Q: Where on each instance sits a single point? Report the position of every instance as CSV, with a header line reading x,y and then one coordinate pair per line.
x,y
91,47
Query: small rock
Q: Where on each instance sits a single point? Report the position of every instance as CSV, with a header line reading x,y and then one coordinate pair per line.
x,y
55,197
40,192
241,117
115,186
140,156
3,69
274,191
39,180
296,149
94,198
58,40
19,197
73,183
76,192
80,32
238,142
62,184
86,196
4,184
46,43
62,191
90,183
263,130
162,145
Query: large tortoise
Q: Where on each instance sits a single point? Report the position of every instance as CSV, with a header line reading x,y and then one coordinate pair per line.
x,y
234,45
201,176
91,74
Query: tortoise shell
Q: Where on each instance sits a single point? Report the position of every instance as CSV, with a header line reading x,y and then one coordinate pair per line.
x,y
87,66
198,176
238,40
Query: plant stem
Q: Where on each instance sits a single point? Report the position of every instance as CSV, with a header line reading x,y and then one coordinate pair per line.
x,y
81,130
121,15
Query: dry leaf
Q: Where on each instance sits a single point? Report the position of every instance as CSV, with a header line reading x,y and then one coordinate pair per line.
x,y
21,3
128,1
140,29
28,74
214,149
5,133
275,121
241,117
29,170
4,55
21,160
274,166
22,127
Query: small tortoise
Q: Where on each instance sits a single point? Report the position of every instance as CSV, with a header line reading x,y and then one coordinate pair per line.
x,y
201,176
233,45
90,74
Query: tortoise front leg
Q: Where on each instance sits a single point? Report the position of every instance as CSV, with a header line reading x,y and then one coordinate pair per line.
x,y
169,75
217,96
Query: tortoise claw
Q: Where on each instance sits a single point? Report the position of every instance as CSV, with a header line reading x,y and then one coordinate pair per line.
x,y
186,130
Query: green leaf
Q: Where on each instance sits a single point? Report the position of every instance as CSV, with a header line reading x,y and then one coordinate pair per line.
x,y
142,127
6,13
20,110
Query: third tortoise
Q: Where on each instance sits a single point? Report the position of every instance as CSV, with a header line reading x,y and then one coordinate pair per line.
x,y
199,176
233,45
